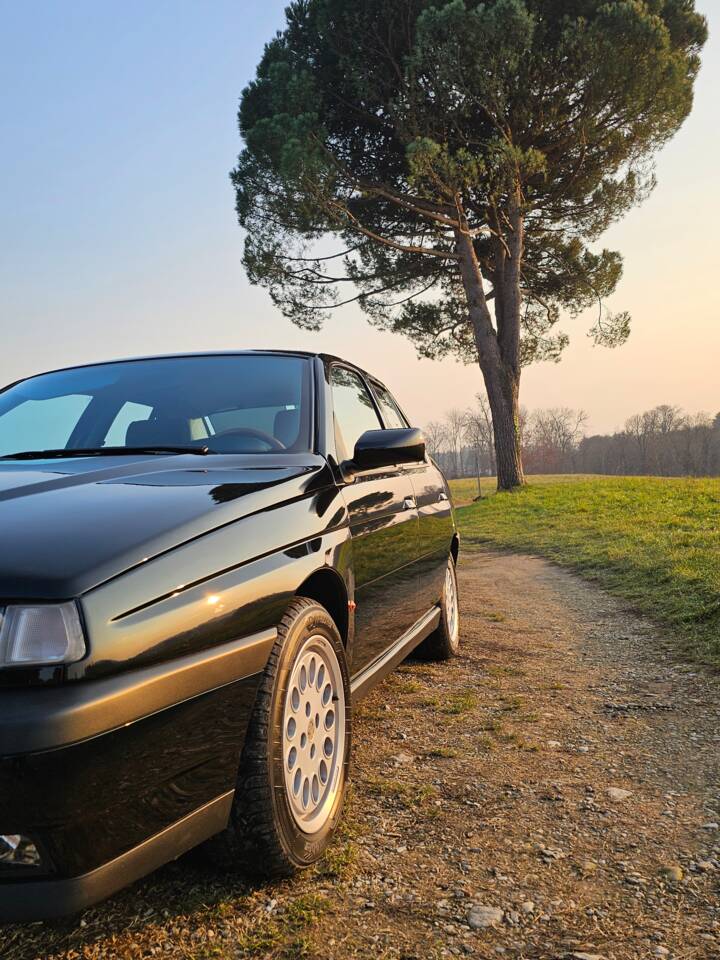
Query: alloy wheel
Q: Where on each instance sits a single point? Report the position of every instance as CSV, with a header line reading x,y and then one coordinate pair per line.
x,y
313,734
451,605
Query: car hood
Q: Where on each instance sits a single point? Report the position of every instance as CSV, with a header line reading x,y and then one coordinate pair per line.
x,y
68,525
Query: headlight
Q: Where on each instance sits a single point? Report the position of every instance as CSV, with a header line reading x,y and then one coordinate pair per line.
x,y
44,634
18,851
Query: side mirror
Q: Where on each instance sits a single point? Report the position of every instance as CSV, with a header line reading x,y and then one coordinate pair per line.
x,y
385,448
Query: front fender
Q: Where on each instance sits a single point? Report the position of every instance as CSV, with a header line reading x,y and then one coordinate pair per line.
x,y
228,584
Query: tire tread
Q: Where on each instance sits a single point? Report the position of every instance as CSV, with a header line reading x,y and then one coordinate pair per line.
x,y
437,646
251,839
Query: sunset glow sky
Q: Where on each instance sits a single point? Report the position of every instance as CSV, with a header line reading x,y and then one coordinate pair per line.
x,y
118,233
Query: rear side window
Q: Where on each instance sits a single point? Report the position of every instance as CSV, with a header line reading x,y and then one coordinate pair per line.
x,y
354,409
388,408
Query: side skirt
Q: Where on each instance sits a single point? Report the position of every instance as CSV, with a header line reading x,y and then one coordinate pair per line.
x,y
385,664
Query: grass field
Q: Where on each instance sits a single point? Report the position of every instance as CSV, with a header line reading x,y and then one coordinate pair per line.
x,y
651,540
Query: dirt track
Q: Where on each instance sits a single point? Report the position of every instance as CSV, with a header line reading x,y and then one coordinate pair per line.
x,y
484,783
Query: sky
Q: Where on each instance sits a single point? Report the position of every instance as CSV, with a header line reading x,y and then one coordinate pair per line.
x,y
118,235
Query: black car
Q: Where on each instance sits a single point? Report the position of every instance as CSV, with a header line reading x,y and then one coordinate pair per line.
x,y
205,560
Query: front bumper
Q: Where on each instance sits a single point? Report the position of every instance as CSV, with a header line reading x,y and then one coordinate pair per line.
x,y
57,897
110,779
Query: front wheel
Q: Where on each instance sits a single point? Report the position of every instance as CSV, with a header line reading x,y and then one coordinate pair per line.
x,y
444,643
295,763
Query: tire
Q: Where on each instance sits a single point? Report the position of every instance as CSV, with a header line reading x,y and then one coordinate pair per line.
x,y
284,819
444,643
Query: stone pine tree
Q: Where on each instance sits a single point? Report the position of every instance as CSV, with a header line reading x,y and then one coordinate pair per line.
x,y
448,165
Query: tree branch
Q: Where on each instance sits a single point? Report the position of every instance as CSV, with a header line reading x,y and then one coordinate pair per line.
x,y
343,211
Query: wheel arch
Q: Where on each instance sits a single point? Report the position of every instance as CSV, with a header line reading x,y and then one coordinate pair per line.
x,y
455,548
327,587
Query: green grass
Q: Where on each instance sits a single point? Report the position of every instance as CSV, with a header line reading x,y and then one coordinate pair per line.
x,y
654,541
460,703
410,795
465,491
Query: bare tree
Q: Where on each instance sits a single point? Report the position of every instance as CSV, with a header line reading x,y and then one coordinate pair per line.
x,y
455,426
479,435
484,413
663,441
668,418
435,437
640,427
647,429
692,445
553,436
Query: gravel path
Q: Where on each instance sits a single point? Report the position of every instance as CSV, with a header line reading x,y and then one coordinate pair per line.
x,y
551,793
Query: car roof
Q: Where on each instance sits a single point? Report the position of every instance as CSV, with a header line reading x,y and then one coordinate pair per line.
x,y
309,354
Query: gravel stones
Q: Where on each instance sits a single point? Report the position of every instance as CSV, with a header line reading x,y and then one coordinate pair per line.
x,y
617,795
481,917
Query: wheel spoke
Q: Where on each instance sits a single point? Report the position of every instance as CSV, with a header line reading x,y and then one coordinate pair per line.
x,y
451,606
313,733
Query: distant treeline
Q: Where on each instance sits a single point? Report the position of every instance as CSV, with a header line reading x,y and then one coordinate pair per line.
x,y
663,441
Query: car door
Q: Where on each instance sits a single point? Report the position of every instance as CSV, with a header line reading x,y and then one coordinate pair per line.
x,y
384,527
436,525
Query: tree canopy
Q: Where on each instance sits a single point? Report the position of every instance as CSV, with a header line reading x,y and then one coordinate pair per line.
x,y
430,157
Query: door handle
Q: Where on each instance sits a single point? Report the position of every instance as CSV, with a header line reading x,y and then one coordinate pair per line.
x,y
442,497
408,503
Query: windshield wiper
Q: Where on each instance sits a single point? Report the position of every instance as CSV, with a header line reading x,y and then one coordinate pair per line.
x,y
103,452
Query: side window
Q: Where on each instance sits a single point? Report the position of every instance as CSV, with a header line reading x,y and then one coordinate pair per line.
x,y
388,408
354,409
128,413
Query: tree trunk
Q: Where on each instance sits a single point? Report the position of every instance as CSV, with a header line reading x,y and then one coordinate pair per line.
x,y
501,373
504,403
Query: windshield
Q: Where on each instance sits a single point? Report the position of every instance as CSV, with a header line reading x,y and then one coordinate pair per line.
x,y
226,404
